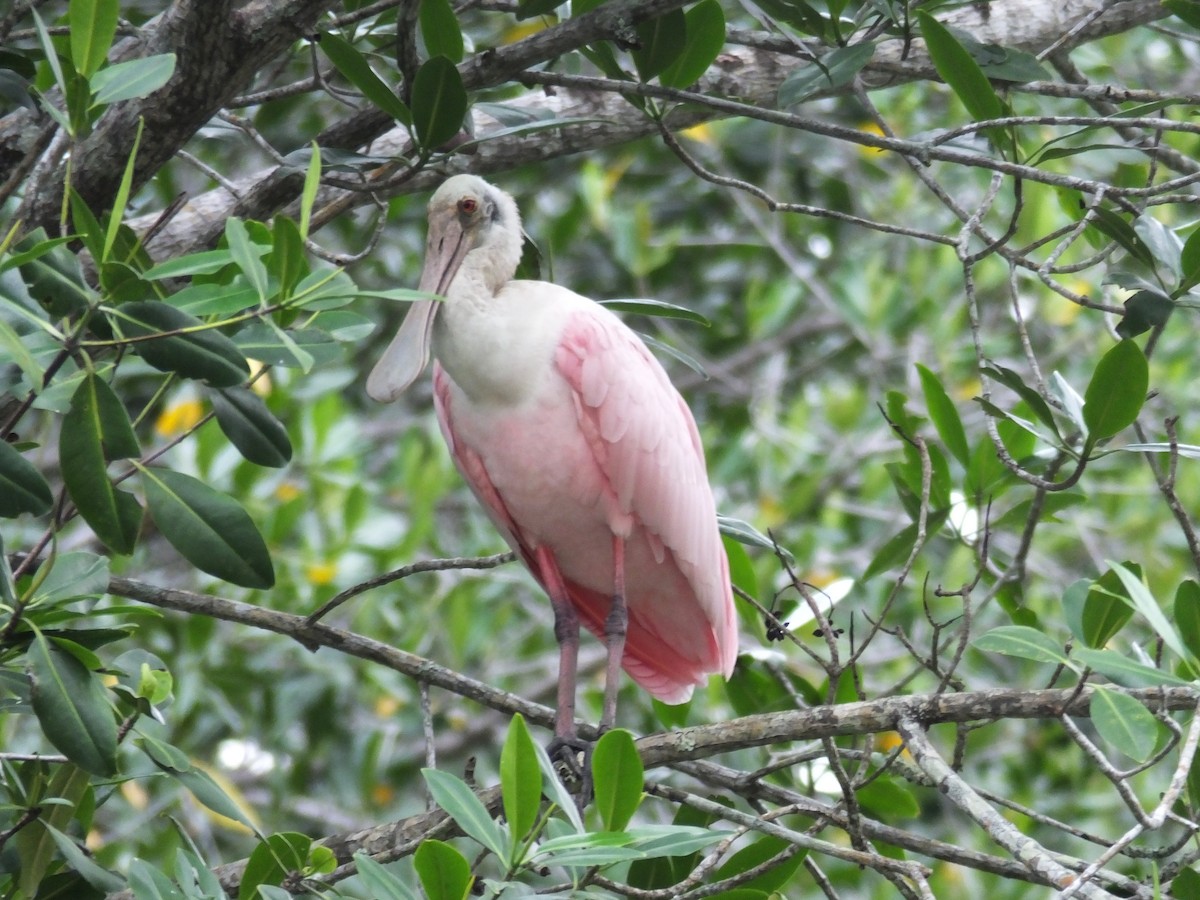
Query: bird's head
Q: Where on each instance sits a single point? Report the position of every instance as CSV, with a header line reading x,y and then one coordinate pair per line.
x,y
467,218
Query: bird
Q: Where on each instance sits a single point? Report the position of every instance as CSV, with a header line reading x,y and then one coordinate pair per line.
x,y
584,455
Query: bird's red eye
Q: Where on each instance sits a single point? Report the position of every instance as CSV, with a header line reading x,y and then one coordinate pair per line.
x,y
468,205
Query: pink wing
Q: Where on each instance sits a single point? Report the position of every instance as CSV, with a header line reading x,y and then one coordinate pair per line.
x,y
643,440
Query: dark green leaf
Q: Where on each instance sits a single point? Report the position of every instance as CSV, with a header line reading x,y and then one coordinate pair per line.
x,y
439,103
1124,723
760,851
95,430
1117,391
91,26
210,529
1189,261
1032,398
1187,882
202,353
960,71
273,860
287,255
662,42
250,426
800,15
1112,225
81,861
704,38
1105,611
1187,615
72,707
132,79
354,66
22,487
944,415
439,28
1187,10
455,797
834,70
1143,311
520,782
527,9
618,778
657,308
444,872
888,797
1022,641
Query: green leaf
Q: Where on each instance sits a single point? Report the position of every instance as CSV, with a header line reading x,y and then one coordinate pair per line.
x,y
208,528
656,308
1143,311
962,73
1188,11
444,872
754,854
175,763
798,14
1187,615
203,353
1105,611
122,197
81,861
132,79
91,25
72,707
1144,602
148,883
1189,259
287,262
527,9
96,429
834,70
22,487
888,797
206,262
250,426
72,576
439,28
456,798
1036,403
1117,391
552,787
354,66
273,860
618,778
520,783
661,43
704,38
439,103
944,415
379,882
1123,670
247,255
1124,723
312,184
1022,641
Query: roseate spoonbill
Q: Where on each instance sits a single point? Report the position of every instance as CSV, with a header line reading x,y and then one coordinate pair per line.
x,y
577,445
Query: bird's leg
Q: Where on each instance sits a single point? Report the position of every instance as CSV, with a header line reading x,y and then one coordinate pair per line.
x,y
616,625
566,631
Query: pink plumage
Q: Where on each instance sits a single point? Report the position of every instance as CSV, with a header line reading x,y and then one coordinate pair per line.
x,y
572,437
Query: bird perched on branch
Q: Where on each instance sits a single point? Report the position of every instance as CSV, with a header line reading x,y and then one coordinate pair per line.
x,y
582,452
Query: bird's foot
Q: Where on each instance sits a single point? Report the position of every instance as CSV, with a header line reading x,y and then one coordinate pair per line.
x,y
572,758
